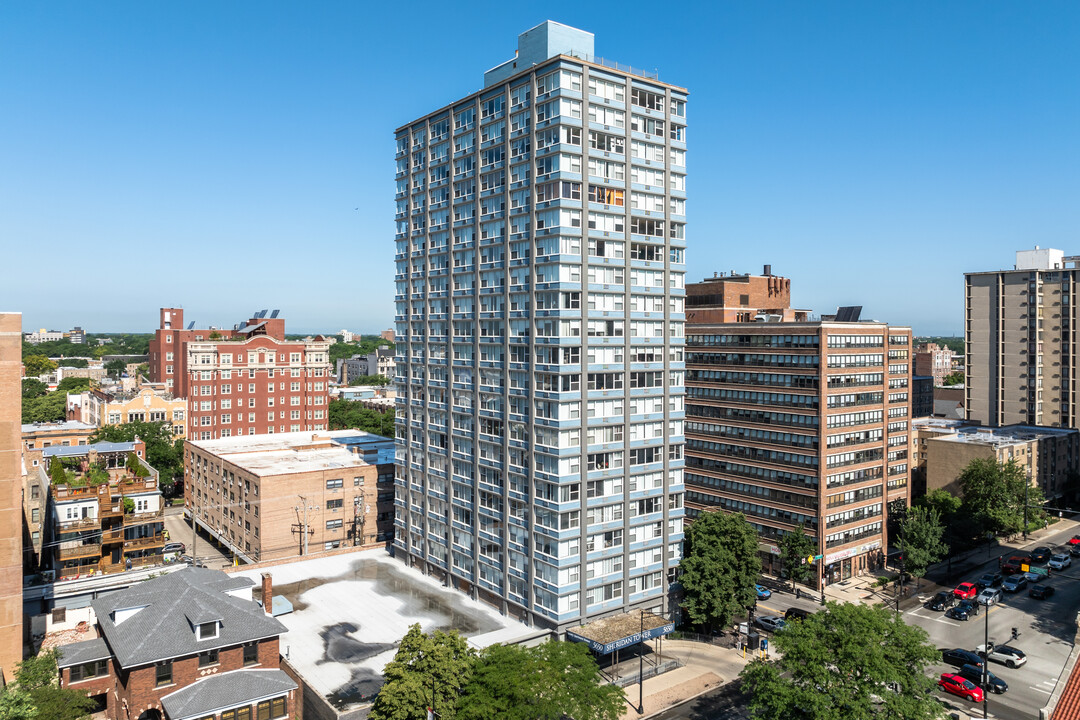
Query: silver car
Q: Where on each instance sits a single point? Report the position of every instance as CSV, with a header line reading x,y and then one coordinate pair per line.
x,y
1059,562
988,597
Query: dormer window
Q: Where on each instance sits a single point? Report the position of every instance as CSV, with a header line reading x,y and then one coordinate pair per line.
x,y
207,630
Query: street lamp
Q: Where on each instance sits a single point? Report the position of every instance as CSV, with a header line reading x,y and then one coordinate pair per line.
x,y
641,666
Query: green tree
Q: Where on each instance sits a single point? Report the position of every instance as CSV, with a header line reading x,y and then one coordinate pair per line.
x,y
350,414
839,664
73,362
33,388
16,704
163,452
720,568
38,365
921,541
72,385
954,378
425,669
370,380
115,368
994,496
57,474
49,408
37,676
548,682
795,547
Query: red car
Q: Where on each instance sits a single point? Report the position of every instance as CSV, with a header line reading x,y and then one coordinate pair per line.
x,y
966,591
957,685
1075,540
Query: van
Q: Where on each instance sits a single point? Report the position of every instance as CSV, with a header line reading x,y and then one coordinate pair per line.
x,y
797,614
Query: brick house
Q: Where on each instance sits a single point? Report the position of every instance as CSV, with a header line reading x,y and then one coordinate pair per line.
x,y
191,645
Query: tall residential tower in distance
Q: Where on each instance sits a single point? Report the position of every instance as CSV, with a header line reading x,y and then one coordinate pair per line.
x,y
1020,342
540,267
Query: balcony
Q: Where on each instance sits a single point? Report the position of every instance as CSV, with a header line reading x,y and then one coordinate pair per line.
x,y
90,523
78,549
144,542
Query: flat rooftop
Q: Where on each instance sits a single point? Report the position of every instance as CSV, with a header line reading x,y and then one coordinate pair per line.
x,y
965,432
351,611
282,453
66,426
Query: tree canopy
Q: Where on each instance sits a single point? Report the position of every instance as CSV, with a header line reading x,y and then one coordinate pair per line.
x,y
547,682
349,414
920,540
46,408
33,388
370,380
73,362
38,365
994,495
426,669
720,568
795,547
954,378
164,453
35,695
846,662
115,368
72,385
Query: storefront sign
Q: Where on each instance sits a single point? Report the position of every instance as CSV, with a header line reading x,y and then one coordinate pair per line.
x,y
852,552
634,639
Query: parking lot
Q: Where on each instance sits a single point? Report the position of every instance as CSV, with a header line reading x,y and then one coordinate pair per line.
x,y
180,531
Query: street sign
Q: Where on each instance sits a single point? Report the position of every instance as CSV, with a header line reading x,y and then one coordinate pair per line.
x,y
818,557
1040,571
1024,568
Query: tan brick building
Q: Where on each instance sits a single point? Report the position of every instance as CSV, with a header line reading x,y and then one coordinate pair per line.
x,y
933,360
286,494
1020,342
941,449
11,527
149,402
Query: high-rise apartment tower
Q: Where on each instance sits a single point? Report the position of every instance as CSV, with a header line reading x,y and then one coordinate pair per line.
x,y
1020,342
540,267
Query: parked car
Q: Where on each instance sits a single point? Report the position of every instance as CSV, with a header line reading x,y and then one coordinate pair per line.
x,y
993,682
1075,540
955,684
971,607
960,657
1075,550
989,596
191,561
942,601
1014,583
1008,655
1041,592
1041,554
174,547
1012,565
797,614
959,612
990,579
772,623
966,591
1059,562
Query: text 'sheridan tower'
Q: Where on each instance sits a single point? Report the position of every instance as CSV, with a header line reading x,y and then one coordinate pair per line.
x,y
540,288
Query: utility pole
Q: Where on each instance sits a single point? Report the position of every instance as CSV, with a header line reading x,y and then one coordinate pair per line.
x,y
194,537
305,529
1027,486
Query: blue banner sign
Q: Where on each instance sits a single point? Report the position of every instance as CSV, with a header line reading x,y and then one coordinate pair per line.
x,y
622,642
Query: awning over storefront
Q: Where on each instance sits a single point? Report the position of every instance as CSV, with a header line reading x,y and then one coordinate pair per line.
x,y
618,631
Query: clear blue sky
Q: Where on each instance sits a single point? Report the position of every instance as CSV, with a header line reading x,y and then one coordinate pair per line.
x,y
234,156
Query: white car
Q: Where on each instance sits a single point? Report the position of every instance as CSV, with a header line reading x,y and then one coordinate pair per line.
x,y
989,596
1034,577
1006,654
1059,562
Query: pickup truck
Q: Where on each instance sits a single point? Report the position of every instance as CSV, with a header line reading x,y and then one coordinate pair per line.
x,y
1012,565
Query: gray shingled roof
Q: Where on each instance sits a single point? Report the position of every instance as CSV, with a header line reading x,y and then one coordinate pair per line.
x,y
82,652
213,694
170,603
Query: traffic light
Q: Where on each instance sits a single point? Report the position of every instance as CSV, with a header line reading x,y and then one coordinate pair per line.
x,y
1015,634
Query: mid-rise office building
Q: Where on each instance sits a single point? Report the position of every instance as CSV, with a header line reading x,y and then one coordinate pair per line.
x,y
1020,342
801,422
540,268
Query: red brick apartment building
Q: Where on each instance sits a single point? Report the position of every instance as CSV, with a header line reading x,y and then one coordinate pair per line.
x,y
195,644
246,381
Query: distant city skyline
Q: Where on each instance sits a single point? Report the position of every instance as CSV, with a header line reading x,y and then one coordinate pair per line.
x,y
227,157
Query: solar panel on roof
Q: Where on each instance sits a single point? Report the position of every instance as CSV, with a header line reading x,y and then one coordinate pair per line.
x,y
274,314
849,313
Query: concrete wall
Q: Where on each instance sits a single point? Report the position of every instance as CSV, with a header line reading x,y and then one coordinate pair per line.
x,y
11,610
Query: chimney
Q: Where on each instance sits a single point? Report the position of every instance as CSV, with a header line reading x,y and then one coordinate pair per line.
x,y
267,593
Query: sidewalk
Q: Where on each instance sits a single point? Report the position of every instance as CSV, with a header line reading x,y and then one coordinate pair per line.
x,y
704,667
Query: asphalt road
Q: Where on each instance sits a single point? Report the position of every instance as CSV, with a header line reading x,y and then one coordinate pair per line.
x,y
180,531
724,703
1047,631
